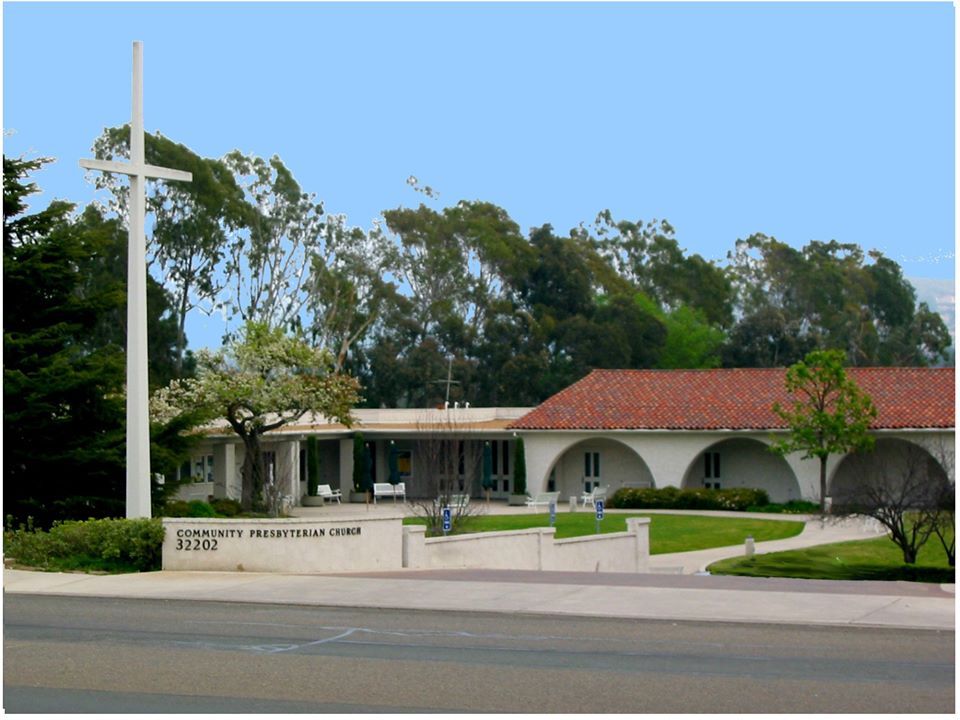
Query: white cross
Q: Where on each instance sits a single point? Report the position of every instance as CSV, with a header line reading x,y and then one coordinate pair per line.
x,y
138,417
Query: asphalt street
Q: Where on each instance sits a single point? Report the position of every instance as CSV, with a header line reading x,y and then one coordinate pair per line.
x,y
94,654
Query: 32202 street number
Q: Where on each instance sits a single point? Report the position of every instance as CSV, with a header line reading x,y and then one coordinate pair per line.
x,y
196,544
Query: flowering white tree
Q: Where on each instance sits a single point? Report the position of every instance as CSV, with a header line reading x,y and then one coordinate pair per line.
x,y
262,381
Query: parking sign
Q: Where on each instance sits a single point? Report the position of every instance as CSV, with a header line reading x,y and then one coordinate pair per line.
x,y
599,509
446,519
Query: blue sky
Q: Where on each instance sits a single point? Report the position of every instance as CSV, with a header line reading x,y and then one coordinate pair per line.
x,y
802,121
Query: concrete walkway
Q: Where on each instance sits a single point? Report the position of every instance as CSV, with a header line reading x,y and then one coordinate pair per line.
x,y
816,532
654,596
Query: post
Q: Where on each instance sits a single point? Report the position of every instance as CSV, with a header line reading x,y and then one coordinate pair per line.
x,y
138,416
446,520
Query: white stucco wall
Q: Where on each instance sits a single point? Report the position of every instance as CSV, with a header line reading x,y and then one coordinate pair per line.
x,y
534,549
344,543
673,456
750,464
619,466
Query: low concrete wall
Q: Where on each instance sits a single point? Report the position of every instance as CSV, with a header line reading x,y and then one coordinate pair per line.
x,y
195,491
535,549
341,544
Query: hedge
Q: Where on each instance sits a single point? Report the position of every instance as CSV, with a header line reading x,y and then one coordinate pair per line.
x,y
117,545
671,498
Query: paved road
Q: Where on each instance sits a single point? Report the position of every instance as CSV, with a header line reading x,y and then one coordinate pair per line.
x,y
64,654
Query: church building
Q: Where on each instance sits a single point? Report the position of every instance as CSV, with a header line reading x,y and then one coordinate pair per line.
x,y
613,428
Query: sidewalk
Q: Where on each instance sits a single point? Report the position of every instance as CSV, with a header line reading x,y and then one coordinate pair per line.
x,y
658,595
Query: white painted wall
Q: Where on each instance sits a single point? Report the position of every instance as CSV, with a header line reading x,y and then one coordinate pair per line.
x,y
619,466
747,463
671,456
284,545
195,491
534,549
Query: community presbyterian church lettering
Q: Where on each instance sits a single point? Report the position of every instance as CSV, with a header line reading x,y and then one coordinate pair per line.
x,y
283,544
189,538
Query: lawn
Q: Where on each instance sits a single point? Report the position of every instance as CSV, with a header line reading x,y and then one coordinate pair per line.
x,y
668,533
876,559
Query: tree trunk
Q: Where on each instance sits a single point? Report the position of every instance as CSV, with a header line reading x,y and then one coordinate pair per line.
x,y
823,485
251,498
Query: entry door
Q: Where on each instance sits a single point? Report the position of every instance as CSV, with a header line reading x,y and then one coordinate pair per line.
x,y
591,470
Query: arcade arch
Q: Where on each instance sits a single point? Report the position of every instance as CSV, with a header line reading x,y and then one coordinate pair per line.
x,y
892,461
743,462
597,461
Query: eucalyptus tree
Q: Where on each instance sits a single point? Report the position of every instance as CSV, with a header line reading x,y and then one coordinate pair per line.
x,y
650,257
349,287
193,223
458,268
827,295
268,264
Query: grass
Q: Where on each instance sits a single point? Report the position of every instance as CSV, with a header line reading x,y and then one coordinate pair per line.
x,y
668,533
875,559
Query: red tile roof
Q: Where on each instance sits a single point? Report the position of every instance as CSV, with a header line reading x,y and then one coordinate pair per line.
x,y
738,399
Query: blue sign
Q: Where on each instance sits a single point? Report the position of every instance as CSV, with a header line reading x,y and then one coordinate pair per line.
x,y
446,519
599,509
553,513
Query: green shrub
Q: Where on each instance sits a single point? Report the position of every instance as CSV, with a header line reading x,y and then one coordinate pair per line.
x,y
176,508
226,507
519,468
199,508
313,465
790,508
193,508
117,545
671,498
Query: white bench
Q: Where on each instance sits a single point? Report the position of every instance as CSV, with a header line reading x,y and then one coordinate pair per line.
x,y
455,501
324,491
388,490
543,499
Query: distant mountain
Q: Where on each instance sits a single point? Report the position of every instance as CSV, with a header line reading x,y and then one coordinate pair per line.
x,y
940,295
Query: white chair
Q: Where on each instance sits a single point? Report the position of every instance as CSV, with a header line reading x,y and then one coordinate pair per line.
x,y
326,493
590,498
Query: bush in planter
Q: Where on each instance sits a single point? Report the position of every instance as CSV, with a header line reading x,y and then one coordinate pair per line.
x,y
226,507
313,466
519,468
792,507
671,498
193,508
359,462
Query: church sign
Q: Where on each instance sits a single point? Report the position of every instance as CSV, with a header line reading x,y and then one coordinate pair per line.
x,y
341,544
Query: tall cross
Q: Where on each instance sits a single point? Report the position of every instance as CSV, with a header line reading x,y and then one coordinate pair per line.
x,y
138,413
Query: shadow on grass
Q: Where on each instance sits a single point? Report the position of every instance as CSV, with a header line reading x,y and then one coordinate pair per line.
x,y
876,559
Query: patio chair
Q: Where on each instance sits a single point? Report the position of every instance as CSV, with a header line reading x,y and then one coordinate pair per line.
x,y
326,493
590,498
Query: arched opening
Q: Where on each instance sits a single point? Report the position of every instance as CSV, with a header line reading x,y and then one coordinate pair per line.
x,y
600,461
898,470
742,462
